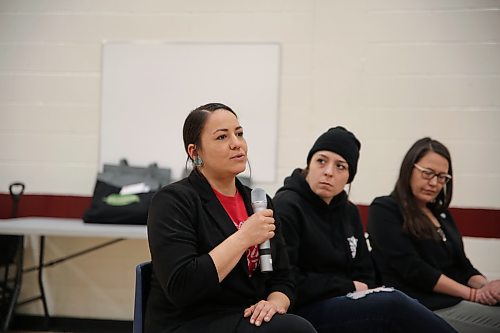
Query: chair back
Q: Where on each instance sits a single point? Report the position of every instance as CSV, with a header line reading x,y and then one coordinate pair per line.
x,y
142,285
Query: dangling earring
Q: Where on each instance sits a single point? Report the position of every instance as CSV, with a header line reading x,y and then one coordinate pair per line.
x,y
197,162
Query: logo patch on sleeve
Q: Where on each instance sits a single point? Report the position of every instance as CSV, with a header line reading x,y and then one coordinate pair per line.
x,y
353,245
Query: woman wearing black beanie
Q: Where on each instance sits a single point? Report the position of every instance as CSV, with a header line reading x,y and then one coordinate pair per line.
x,y
330,262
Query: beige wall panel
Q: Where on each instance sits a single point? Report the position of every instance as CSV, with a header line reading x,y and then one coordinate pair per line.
x,y
434,26
93,27
432,59
294,156
50,177
457,91
476,157
42,57
478,250
296,92
253,27
50,6
49,118
296,59
49,147
243,6
294,123
370,184
412,123
287,27
444,5
338,21
378,168
49,88
476,190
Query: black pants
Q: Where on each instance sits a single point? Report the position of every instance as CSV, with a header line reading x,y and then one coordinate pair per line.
x,y
288,323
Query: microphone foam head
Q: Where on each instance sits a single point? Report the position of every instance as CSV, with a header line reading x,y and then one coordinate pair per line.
x,y
258,195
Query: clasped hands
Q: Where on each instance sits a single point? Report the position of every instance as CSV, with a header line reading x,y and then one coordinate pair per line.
x,y
489,294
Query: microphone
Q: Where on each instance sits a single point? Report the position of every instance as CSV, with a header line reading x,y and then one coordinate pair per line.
x,y
259,203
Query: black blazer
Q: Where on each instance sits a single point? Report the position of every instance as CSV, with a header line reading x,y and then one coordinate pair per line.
x,y
186,221
414,265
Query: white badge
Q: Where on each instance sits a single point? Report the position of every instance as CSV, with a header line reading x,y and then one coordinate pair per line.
x,y
353,245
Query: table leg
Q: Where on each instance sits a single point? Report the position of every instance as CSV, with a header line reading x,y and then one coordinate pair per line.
x,y
40,281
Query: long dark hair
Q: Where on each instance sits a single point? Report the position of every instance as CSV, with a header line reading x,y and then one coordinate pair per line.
x,y
195,121
415,221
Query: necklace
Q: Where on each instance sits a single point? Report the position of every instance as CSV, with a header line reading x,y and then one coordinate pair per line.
x,y
436,224
441,234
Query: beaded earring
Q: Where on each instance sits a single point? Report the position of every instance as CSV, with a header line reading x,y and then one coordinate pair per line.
x,y
197,162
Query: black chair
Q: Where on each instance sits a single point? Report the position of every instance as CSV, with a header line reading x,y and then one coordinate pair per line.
x,y
142,285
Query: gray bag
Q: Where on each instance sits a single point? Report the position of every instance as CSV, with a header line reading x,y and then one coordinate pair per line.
x,y
122,174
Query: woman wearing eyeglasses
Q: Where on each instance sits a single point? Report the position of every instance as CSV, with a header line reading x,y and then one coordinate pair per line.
x,y
418,249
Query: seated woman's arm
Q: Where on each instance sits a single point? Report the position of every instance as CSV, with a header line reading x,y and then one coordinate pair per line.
x,y
448,286
258,228
485,293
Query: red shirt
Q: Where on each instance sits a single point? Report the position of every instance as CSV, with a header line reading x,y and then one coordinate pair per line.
x,y
235,208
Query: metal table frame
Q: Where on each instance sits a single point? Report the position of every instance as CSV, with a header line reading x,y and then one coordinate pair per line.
x,y
46,226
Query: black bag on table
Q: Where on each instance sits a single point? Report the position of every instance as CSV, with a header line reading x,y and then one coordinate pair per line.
x,y
110,207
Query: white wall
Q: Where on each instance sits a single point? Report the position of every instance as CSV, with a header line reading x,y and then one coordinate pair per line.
x,y
391,71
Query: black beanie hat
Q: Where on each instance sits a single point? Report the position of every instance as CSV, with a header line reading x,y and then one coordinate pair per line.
x,y
340,141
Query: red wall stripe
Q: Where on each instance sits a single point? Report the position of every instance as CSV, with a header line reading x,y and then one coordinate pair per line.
x,y
45,205
473,222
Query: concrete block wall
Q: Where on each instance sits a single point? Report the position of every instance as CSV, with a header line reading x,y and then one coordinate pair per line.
x,y
391,71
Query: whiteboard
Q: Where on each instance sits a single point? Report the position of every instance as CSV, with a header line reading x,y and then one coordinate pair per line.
x,y
149,88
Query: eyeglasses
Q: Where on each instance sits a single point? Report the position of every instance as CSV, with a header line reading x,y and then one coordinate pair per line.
x,y
428,174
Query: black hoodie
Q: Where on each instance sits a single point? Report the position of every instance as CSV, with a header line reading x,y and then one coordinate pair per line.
x,y
325,242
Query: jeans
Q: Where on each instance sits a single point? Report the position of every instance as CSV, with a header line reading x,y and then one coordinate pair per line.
x,y
383,311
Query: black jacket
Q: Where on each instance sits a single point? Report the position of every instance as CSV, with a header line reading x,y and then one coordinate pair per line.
x,y
414,265
318,240
186,221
